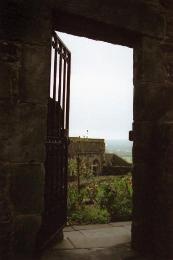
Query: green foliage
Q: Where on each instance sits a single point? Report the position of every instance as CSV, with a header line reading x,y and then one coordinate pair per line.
x,y
92,191
116,197
72,167
79,166
73,199
90,215
100,199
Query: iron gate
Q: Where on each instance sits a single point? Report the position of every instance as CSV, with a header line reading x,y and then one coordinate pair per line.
x,y
55,196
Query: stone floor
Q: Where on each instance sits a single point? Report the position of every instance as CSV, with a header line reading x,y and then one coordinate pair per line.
x,y
95,236
94,242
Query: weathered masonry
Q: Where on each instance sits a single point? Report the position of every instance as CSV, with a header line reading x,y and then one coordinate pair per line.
x,y
25,51
91,150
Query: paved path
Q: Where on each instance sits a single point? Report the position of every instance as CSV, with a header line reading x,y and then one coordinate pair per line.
x,y
94,242
95,236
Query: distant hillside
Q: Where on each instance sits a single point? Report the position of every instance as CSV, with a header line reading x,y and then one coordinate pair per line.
x,y
122,148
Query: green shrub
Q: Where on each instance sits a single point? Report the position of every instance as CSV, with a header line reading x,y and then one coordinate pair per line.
x,y
90,215
116,197
72,200
100,199
75,199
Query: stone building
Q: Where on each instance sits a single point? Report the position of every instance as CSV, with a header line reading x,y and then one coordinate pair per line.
x,y
91,150
25,50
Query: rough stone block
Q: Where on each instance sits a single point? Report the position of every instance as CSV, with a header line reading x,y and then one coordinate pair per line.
x,y
144,132
6,214
153,103
9,78
168,155
163,234
27,188
165,133
169,31
150,102
27,21
141,237
153,203
35,73
24,132
143,189
10,51
144,206
5,112
168,4
27,140
25,233
38,25
148,62
6,129
144,153
10,54
168,108
167,49
118,15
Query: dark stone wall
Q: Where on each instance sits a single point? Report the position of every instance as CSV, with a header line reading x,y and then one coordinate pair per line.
x,y
120,22
127,17
25,34
153,114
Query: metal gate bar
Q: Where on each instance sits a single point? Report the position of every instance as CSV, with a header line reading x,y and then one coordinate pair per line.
x,y
55,196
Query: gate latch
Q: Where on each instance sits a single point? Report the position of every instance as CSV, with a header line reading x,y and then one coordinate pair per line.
x,y
131,135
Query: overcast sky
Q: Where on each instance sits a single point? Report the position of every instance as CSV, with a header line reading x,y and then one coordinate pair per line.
x,y
101,88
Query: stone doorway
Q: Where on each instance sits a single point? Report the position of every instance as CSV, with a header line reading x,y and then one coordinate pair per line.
x,y
25,63
147,52
95,163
